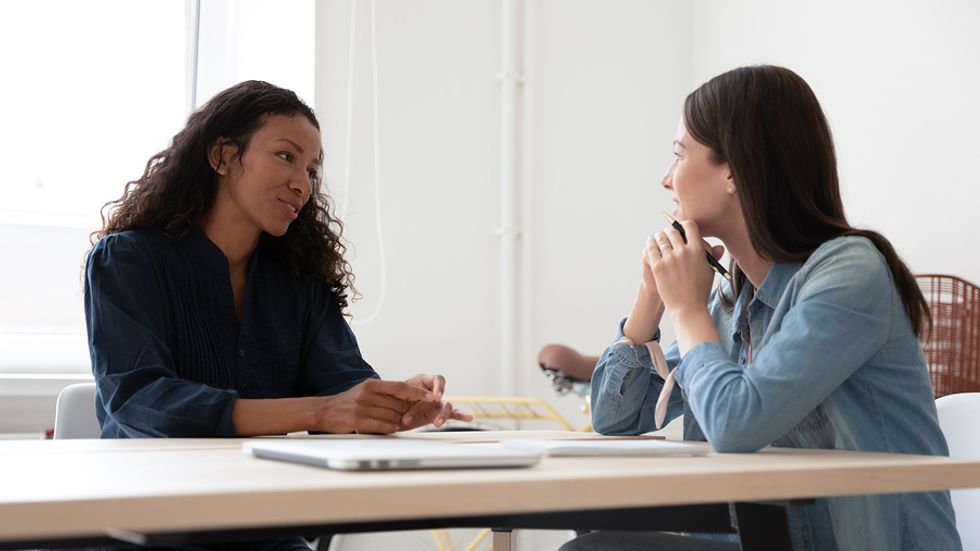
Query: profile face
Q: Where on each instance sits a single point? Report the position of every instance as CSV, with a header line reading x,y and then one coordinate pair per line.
x,y
273,179
699,188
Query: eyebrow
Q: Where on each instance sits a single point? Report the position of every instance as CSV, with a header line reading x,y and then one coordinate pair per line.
x,y
294,144
317,161
676,142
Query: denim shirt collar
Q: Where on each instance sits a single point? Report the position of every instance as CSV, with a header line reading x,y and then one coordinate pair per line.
x,y
769,293
775,283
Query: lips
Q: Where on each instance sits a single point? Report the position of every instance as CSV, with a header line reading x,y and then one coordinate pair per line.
x,y
292,208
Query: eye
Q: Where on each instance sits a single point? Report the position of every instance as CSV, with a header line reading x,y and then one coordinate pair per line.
x,y
286,156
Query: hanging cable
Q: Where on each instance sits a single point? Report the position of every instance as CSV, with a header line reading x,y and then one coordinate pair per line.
x,y
377,167
193,46
345,192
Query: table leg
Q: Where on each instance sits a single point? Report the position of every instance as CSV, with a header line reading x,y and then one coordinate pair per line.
x,y
763,527
503,540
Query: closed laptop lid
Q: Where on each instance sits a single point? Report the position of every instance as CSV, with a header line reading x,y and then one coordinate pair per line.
x,y
390,453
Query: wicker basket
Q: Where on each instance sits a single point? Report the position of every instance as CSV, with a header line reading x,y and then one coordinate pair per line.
x,y
952,350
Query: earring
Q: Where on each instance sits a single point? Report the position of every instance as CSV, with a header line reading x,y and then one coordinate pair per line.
x,y
731,190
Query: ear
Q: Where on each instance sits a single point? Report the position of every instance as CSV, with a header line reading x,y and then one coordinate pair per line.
x,y
219,155
729,180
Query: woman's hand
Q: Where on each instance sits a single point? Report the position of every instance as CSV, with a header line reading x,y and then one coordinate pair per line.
x,y
372,407
682,275
649,282
435,412
684,281
644,318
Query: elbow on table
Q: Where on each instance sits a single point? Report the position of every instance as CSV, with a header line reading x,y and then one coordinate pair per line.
x,y
736,441
613,427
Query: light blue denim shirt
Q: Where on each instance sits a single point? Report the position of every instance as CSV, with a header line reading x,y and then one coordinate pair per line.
x,y
835,364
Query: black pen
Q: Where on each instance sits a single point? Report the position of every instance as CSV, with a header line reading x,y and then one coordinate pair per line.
x,y
711,259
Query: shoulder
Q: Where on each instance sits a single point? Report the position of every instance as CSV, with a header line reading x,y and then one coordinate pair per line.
x,y
129,245
855,255
850,268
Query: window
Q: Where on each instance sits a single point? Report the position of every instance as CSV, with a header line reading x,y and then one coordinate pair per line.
x,y
91,90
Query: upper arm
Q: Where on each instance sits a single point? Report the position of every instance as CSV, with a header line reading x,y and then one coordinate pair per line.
x,y
124,308
127,318
332,360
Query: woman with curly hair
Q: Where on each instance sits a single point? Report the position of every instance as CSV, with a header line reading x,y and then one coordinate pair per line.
x,y
215,295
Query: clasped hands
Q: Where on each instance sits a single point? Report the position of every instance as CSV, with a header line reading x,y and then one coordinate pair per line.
x,y
382,407
676,270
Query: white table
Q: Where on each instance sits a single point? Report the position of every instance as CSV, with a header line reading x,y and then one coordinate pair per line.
x,y
171,491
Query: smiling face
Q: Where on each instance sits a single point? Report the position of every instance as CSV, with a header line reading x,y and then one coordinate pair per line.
x,y
264,188
702,191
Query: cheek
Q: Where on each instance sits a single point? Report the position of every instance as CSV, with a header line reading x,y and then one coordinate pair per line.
x,y
681,179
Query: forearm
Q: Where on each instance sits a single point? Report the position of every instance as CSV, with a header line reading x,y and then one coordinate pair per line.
x,y
693,327
275,416
644,318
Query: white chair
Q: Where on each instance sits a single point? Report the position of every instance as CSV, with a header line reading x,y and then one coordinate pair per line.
x,y
74,414
958,418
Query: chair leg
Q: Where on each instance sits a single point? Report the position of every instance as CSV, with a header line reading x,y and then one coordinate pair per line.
x,y
323,542
503,540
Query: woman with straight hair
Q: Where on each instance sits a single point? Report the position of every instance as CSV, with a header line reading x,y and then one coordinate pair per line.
x,y
813,344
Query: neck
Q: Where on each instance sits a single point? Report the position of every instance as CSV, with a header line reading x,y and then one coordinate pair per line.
x,y
740,246
237,239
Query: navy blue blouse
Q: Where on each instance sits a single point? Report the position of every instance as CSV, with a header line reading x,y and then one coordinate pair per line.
x,y
169,355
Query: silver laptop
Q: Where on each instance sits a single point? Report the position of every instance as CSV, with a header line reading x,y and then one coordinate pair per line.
x,y
374,454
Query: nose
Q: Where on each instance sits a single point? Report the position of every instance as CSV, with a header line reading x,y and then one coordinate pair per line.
x,y
667,180
301,185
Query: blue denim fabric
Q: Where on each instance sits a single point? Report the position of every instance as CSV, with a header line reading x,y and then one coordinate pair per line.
x,y
835,365
168,353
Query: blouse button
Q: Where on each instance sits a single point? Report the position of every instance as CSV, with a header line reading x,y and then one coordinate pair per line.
x,y
241,352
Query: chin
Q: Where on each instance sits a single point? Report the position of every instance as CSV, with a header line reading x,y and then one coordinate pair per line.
x,y
277,231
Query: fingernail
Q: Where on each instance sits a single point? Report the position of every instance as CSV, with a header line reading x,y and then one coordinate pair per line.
x,y
407,419
428,396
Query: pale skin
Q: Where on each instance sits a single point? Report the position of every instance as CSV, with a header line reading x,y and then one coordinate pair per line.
x,y
262,190
675,274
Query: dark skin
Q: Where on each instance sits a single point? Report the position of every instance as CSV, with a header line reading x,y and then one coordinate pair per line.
x,y
262,190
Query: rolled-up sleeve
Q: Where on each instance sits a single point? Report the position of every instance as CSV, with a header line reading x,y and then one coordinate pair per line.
x,y
138,387
625,388
840,318
332,361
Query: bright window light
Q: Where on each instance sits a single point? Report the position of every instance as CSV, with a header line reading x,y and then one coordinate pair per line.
x,y
91,90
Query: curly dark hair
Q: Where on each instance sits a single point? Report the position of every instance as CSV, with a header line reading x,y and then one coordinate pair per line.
x,y
178,186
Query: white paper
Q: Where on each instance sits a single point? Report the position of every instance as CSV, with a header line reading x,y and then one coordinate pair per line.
x,y
639,447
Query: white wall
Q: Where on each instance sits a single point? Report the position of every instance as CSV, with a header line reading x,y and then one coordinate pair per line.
x,y
606,82
603,88
438,149
604,85
898,82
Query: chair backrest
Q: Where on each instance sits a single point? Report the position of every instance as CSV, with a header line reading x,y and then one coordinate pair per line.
x,y
952,349
74,415
958,415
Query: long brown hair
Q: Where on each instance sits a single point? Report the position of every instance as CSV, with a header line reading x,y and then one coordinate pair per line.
x,y
178,185
766,123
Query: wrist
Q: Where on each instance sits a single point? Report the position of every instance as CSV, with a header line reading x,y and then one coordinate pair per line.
x,y
648,290
689,315
319,413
